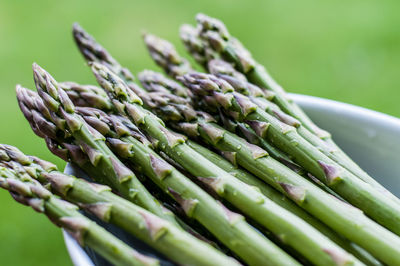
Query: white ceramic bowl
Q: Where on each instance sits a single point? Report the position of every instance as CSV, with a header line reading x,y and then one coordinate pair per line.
x,y
372,139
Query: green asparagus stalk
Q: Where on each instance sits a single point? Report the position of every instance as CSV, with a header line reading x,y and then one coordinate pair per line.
x,y
328,209
56,112
162,51
155,82
30,192
256,160
247,199
74,154
286,138
284,202
218,40
97,199
224,70
244,240
196,203
248,244
205,56
139,154
92,51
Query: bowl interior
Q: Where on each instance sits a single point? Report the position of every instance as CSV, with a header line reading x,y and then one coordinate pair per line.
x,y
370,138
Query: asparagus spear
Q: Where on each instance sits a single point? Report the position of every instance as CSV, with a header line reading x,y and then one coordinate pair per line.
x,y
101,202
195,203
224,70
89,49
56,112
156,82
205,56
93,51
139,154
250,244
162,51
30,192
242,196
284,202
340,216
217,39
286,138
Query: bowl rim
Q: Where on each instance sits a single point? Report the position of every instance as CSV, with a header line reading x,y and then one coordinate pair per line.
x,y
362,112
79,256
76,253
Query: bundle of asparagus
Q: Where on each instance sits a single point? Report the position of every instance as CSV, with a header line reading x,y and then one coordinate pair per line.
x,y
248,174
19,175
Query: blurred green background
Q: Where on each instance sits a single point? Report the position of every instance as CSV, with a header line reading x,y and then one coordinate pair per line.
x,y
343,50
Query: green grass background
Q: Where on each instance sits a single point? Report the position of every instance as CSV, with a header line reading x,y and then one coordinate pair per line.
x,y
343,50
